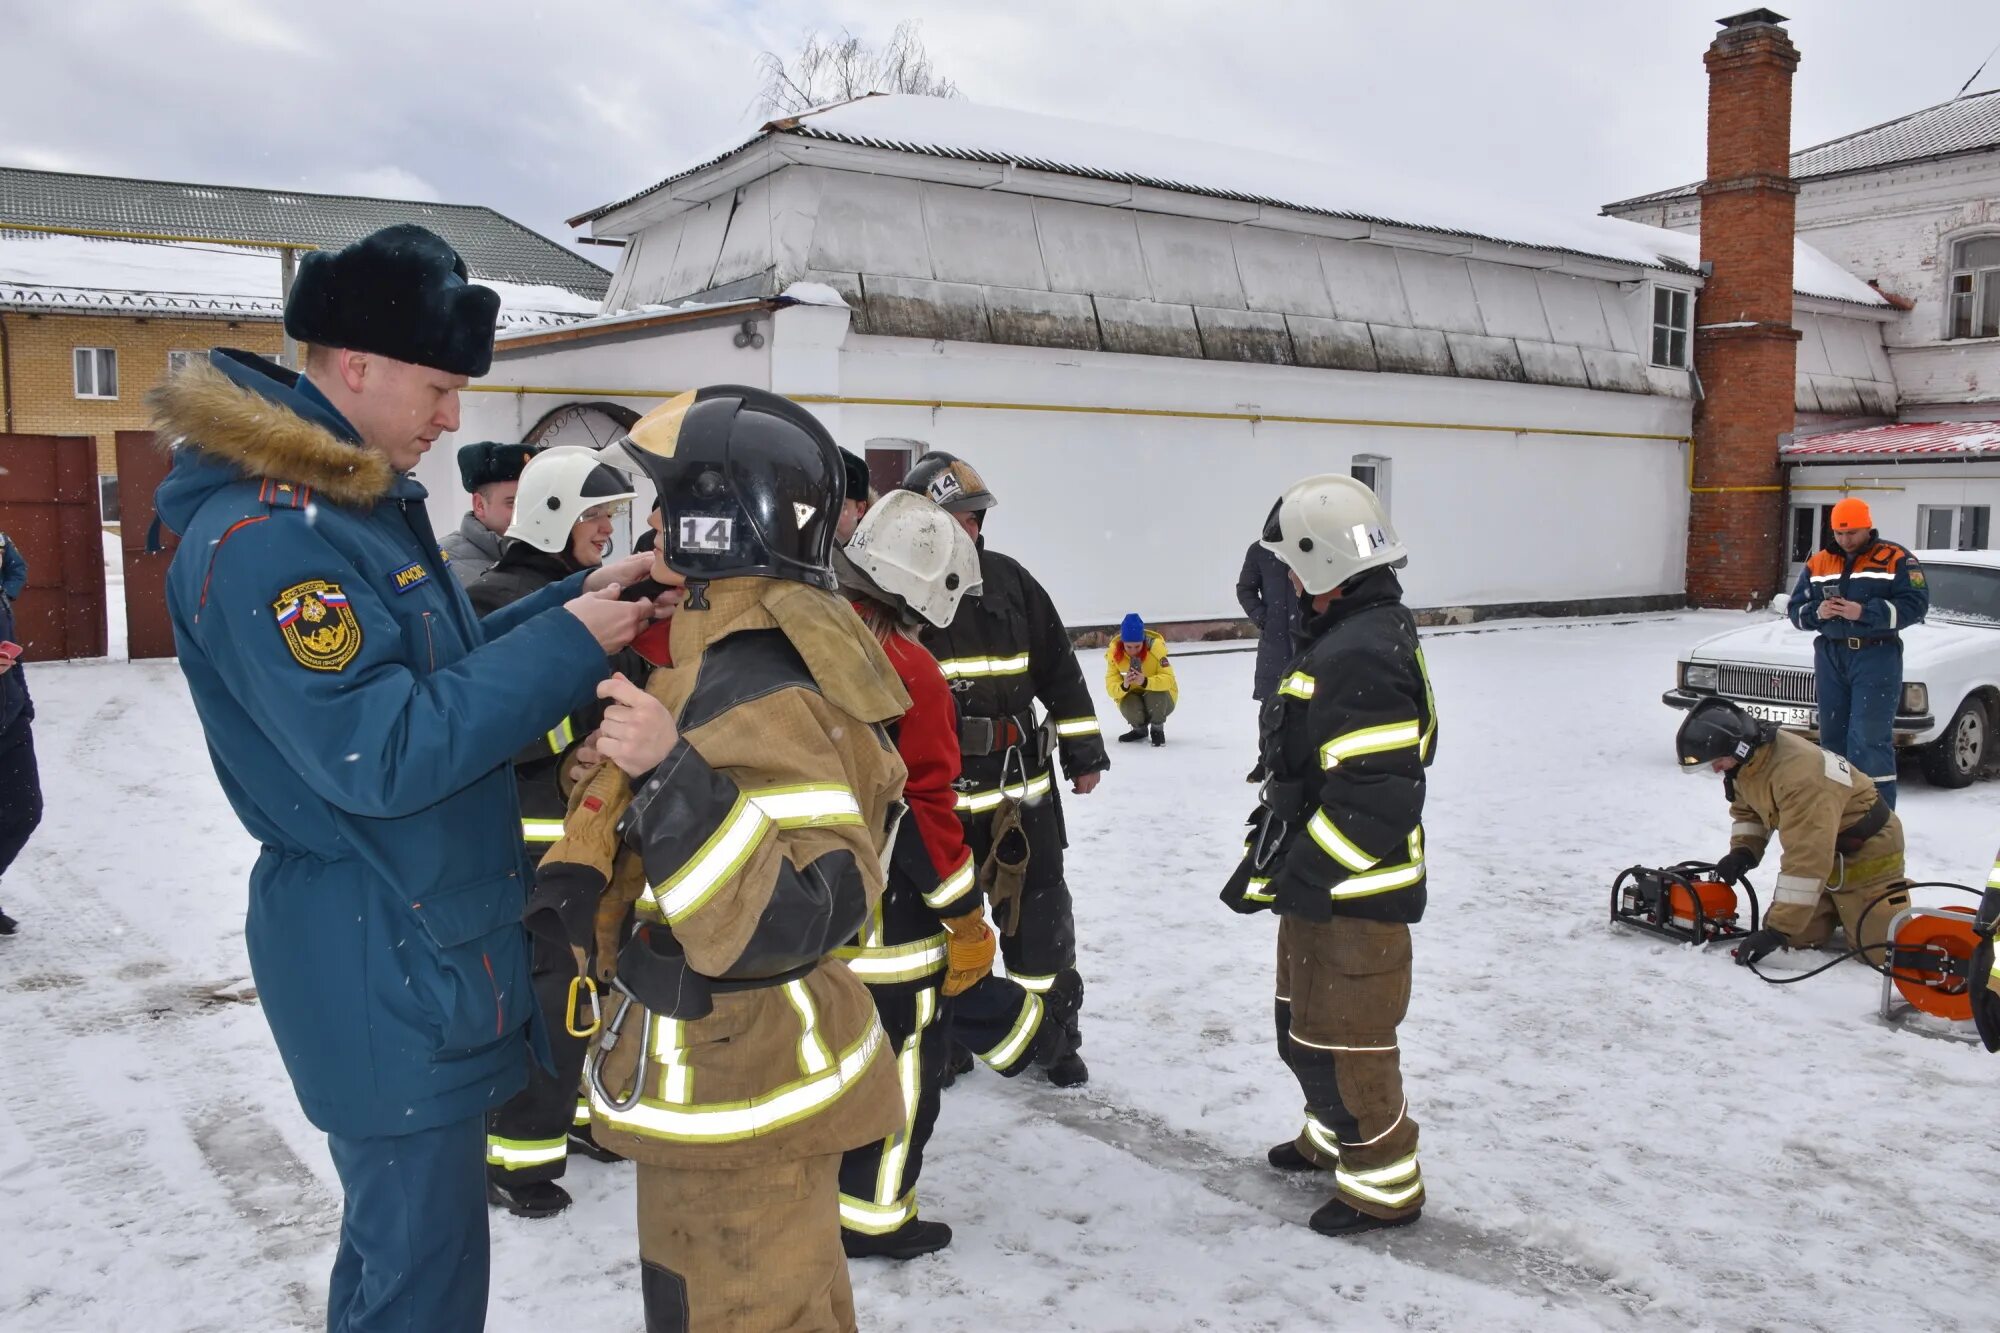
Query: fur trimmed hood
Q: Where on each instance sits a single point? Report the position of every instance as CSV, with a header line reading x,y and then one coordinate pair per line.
x,y
261,435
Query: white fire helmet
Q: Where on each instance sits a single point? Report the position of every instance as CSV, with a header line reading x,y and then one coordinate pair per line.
x,y
556,487
910,548
1328,529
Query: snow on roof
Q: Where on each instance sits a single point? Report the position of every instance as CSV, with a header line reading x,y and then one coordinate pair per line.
x,y
1909,439
85,275
952,128
1813,274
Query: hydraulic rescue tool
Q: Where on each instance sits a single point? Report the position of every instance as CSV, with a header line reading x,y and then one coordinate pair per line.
x,y
1685,902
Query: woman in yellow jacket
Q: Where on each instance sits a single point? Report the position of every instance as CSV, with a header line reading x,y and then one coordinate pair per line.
x,y
1141,680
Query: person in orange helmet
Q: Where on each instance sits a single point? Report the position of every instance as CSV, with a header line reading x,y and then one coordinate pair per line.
x,y
1857,594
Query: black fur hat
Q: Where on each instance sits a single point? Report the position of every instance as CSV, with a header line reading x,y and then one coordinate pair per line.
x,y
857,475
484,463
400,293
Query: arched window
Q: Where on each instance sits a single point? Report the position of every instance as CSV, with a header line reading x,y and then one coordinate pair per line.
x,y
1975,288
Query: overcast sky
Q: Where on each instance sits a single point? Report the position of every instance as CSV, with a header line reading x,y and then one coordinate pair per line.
x,y
543,111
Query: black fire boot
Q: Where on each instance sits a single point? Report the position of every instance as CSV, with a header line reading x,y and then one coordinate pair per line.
x,y
1136,734
1287,1157
1337,1219
911,1240
958,1061
1159,734
581,1140
1069,1072
7,924
1257,774
532,1198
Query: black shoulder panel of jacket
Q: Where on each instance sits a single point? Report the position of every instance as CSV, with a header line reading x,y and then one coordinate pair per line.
x,y
743,667
814,909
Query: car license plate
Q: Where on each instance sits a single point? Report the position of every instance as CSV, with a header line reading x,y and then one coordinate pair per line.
x,y
1785,715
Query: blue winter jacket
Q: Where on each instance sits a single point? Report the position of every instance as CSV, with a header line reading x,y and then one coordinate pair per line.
x,y
361,719
14,701
1884,577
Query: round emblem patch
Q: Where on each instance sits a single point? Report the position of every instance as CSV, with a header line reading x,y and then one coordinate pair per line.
x,y
320,628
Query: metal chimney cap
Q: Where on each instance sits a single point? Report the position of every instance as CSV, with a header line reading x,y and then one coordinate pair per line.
x,y
1750,18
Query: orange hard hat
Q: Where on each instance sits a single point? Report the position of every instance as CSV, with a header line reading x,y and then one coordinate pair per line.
x,y
1851,515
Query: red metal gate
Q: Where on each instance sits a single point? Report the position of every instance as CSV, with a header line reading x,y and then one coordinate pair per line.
x,y
48,507
142,465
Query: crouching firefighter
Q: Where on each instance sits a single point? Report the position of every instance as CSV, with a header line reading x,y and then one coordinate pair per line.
x,y
1843,857
745,811
1005,649
1337,848
1984,976
926,946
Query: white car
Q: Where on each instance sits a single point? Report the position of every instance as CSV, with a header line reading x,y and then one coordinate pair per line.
x,y
1951,670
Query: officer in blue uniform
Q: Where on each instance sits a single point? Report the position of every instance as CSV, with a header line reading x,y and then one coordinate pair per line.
x,y
1858,593
361,719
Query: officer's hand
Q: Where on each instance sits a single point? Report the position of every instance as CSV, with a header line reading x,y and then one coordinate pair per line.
x,y
614,624
637,730
1086,784
624,571
1735,863
1756,945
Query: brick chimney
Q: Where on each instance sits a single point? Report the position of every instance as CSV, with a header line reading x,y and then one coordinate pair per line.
x,y
1745,348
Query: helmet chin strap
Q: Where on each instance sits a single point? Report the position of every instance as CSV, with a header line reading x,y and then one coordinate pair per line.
x,y
696,597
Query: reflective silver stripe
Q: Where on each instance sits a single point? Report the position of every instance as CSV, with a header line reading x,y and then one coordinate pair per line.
x,y
1892,614
726,1122
1749,828
1387,878
517,1153
582,1116
1402,1114
809,805
978,802
1255,893
542,830
1392,1186
952,886
1038,985
670,1052
967,668
1078,726
1321,1137
1871,574
1370,740
1798,890
814,1057
1016,1041
1993,876
562,736
881,964
710,868
1357,1050
1299,685
874,1219
1335,844
909,1074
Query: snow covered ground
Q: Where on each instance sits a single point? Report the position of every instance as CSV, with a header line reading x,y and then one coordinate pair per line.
x,y
1617,1133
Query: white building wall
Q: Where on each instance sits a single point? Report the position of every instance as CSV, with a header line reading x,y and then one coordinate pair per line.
x,y
1895,491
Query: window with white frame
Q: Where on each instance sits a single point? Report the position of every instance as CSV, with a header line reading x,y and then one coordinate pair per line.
x,y
1954,527
1673,318
96,372
1812,528
177,361
1975,288
1372,471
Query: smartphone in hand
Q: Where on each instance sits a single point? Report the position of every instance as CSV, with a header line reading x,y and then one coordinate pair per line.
x,y
10,650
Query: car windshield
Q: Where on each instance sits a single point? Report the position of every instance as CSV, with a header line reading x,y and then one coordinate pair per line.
x,y
1965,592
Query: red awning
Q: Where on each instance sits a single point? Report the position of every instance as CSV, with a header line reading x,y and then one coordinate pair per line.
x,y
1910,439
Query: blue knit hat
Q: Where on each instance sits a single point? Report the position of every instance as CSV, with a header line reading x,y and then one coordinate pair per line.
x,y
1132,629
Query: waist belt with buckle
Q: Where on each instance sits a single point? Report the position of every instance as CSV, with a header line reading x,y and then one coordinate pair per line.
x,y
1857,644
654,968
1856,835
992,735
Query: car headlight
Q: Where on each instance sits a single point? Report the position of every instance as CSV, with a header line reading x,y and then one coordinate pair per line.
x,y
1695,676
1916,699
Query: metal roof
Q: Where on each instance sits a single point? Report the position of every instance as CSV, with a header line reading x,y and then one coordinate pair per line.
x,y
494,247
1962,125
1907,440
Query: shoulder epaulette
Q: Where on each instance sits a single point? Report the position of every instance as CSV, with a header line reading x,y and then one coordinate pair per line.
x,y
284,494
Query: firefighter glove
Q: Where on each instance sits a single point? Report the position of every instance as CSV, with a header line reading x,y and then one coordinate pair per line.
x,y
1735,863
968,952
1757,945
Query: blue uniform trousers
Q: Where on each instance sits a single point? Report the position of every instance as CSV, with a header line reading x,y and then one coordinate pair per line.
x,y
1858,692
413,1252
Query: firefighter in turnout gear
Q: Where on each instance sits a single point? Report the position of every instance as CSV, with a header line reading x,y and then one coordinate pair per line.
x,y
1337,848
563,517
927,945
1984,976
1005,649
1843,844
744,813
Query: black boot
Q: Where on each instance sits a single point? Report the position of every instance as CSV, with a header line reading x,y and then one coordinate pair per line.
x,y
1136,734
1337,1219
1159,734
957,1061
7,924
1257,774
532,1198
914,1238
1287,1157
1069,1072
581,1140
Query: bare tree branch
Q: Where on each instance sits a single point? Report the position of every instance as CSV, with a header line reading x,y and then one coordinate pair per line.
x,y
838,69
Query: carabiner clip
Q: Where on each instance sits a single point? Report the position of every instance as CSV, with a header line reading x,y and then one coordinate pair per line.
x,y
593,1067
589,987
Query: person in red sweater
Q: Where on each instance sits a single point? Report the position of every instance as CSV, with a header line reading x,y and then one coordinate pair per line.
x,y
926,954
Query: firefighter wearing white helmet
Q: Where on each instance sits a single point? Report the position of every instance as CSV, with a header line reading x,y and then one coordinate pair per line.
x,y
1336,848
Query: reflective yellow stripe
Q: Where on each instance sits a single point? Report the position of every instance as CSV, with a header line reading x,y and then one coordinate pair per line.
x,y
728,1122
814,1057
542,830
582,1116
1016,1041
1078,726
874,1219
1255,893
562,736
514,1154
709,869
967,668
670,1052
952,886
1993,877
1335,844
882,964
1369,740
1387,879
978,802
1038,985
1320,1136
909,1073
1392,1186
1299,685
809,805
1430,708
